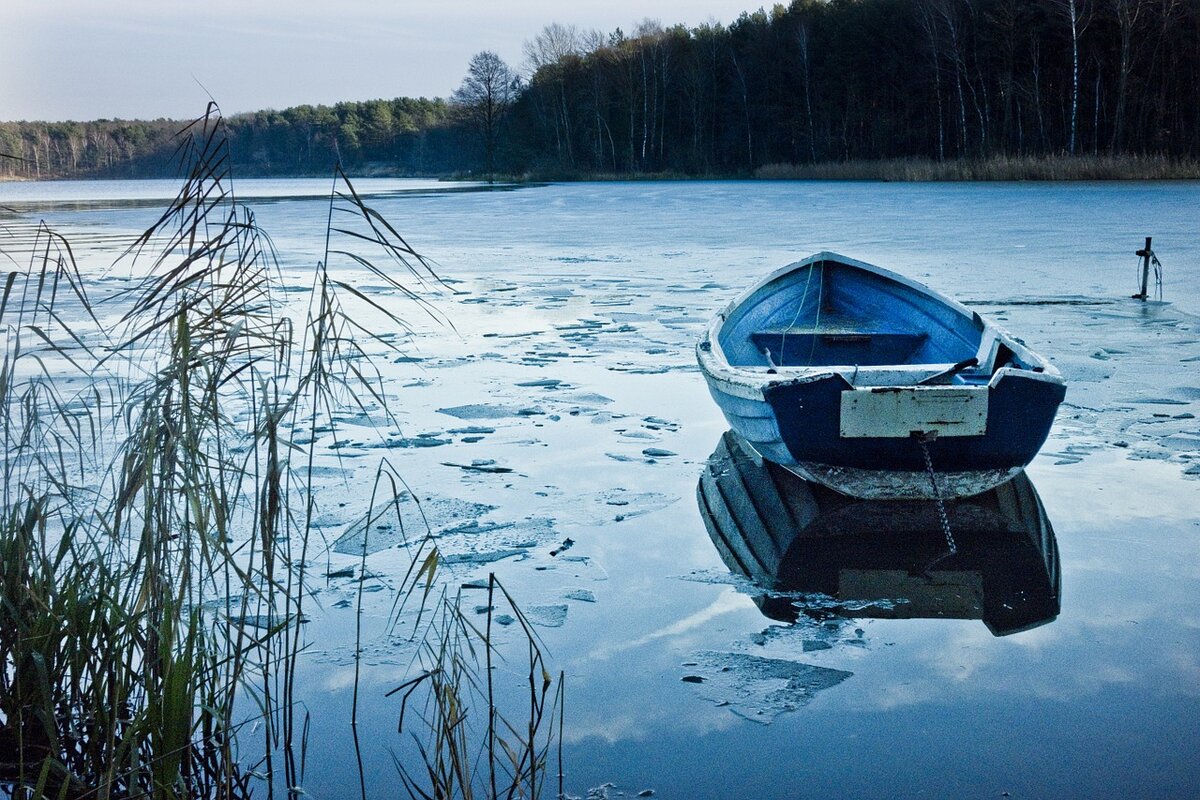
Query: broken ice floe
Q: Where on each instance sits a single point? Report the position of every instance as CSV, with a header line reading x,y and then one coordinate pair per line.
x,y
472,429
408,521
420,440
485,541
619,504
586,398
486,465
756,688
551,616
480,411
482,556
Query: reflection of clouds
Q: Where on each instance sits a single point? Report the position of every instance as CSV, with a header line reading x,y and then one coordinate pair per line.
x,y
1045,637
1186,660
616,727
963,656
1107,612
898,695
335,679
1082,493
728,601
1103,676
338,678
644,721
1063,663
1106,645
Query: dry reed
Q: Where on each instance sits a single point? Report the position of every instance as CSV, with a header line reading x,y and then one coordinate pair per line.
x,y
157,508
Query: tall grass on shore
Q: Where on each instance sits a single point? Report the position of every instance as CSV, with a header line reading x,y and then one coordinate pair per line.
x,y
998,168
158,505
911,170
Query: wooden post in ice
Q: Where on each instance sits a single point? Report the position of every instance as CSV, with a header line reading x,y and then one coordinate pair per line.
x,y
1145,254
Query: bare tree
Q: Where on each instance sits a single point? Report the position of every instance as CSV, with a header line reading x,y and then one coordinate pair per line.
x,y
802,42
546,56
484,97
744,93
930,28
1078,14
1127,13
649,39
592,44
553,45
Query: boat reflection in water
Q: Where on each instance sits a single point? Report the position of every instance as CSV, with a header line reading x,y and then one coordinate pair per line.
x,y
883,558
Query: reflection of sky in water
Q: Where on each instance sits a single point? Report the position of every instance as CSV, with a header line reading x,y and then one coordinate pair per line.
x,y
603,287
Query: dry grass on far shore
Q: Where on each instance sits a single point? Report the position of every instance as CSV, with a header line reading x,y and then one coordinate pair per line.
x,y
998,168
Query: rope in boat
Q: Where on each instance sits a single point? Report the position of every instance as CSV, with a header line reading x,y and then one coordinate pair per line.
x,y
817,319
951,547
799,309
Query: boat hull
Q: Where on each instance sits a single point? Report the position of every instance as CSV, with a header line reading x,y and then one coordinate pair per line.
x,y
1020,412
976,432
809,444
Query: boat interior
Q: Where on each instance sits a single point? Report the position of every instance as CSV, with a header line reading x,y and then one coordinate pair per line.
x,y
833,314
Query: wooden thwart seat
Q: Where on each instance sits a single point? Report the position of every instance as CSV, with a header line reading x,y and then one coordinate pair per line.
x,y
823,347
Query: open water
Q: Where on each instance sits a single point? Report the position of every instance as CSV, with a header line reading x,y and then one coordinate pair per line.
x,y
575,309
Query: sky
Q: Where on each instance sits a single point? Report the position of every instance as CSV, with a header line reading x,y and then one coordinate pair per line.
x,y
146,59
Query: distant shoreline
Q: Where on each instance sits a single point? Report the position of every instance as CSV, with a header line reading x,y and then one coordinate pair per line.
x,y
999,169
1048,169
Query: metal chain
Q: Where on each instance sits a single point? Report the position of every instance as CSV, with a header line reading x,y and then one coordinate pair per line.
x,y
937,495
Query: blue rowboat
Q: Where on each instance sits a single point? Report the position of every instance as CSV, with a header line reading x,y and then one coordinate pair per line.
x,y
815,552
870,383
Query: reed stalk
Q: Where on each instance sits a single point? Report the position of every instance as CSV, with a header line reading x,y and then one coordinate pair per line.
x,y
157,517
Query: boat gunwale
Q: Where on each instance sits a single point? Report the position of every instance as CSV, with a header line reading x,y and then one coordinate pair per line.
x,y
751,382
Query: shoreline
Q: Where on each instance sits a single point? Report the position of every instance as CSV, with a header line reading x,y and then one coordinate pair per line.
x,y
1000,169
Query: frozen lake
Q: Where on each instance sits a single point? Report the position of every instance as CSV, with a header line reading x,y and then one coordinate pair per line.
x,y
575,309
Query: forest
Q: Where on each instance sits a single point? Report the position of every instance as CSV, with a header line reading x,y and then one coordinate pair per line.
x,y
403,136
811,83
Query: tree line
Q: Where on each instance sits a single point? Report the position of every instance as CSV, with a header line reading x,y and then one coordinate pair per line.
x,y
812,82
843,80
405,135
